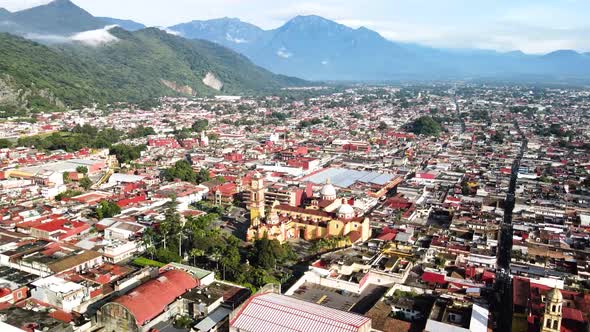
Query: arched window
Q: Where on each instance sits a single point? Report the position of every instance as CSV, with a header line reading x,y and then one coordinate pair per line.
x,y
555,323
553,308
548,323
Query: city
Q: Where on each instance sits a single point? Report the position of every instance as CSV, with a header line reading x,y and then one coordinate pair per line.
x,y
449,205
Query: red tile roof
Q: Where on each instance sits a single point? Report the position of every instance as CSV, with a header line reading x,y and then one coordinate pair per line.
x,y
150,299
432,277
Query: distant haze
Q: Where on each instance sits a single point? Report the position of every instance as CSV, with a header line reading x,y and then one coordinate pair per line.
x,y
533,26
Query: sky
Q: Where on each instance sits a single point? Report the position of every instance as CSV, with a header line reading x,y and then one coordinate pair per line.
x,y
533,26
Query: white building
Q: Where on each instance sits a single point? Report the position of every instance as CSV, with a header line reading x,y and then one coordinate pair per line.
x,y
58,292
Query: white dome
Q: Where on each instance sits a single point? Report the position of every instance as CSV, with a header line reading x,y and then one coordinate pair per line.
x,y
328,190
555,296
346,211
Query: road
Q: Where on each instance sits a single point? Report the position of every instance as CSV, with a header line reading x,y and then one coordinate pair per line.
x,y
503,284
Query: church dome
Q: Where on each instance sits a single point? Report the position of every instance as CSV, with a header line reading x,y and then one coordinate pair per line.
x,y
346,211
328,191
555,296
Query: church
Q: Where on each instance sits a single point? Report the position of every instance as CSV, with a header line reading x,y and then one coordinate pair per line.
x,y
538,307
321,216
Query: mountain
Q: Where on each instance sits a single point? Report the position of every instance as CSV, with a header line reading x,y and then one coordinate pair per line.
x,y
128,25
319,48
4,14
230,32
310,46
316,48
133,67
60,17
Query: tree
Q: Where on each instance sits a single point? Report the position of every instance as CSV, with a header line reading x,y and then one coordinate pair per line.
x,y
67,194
66,177
213,137
141,131
4,143
165,255
107,209
147,241
203,176
181,170
200,125
183,322
498,137
425,125
126,153
171,226
82,169
267,253
196,253
86,183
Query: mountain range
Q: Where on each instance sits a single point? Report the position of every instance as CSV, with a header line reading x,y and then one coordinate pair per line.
x,y
67,65
315,48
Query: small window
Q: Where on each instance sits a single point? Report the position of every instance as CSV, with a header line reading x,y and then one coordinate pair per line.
x,y
554,308
555,324
548,323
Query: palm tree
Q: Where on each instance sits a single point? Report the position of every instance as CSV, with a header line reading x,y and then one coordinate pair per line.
x,y
194,253
216,257
165,228
147,241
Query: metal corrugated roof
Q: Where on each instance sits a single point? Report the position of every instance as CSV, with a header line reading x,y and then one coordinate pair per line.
x,y
273,313
344,178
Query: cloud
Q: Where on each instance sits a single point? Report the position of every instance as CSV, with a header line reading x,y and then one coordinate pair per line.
x,y
16,5
235,40
95,37
51,39
284,53
500,24
170,31
92,38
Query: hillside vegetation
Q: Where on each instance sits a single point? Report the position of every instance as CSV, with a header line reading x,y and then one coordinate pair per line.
x,y
140,65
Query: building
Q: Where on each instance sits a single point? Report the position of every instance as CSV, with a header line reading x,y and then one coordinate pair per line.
x,y
452,315
59,292
539,307
150,303
552,316
274,312
186,193
325,216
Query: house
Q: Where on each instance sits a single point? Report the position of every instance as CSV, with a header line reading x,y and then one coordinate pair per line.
x,y
148,304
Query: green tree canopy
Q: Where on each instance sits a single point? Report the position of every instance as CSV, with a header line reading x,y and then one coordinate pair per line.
x,y
425,125
200,125
126,153
85,183
82,169
107,209
182,170
267,253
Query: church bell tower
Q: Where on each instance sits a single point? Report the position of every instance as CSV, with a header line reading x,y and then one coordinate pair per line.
x,y
552,316
256,200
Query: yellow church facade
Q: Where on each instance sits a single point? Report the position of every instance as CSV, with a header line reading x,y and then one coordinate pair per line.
x,y
325,217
